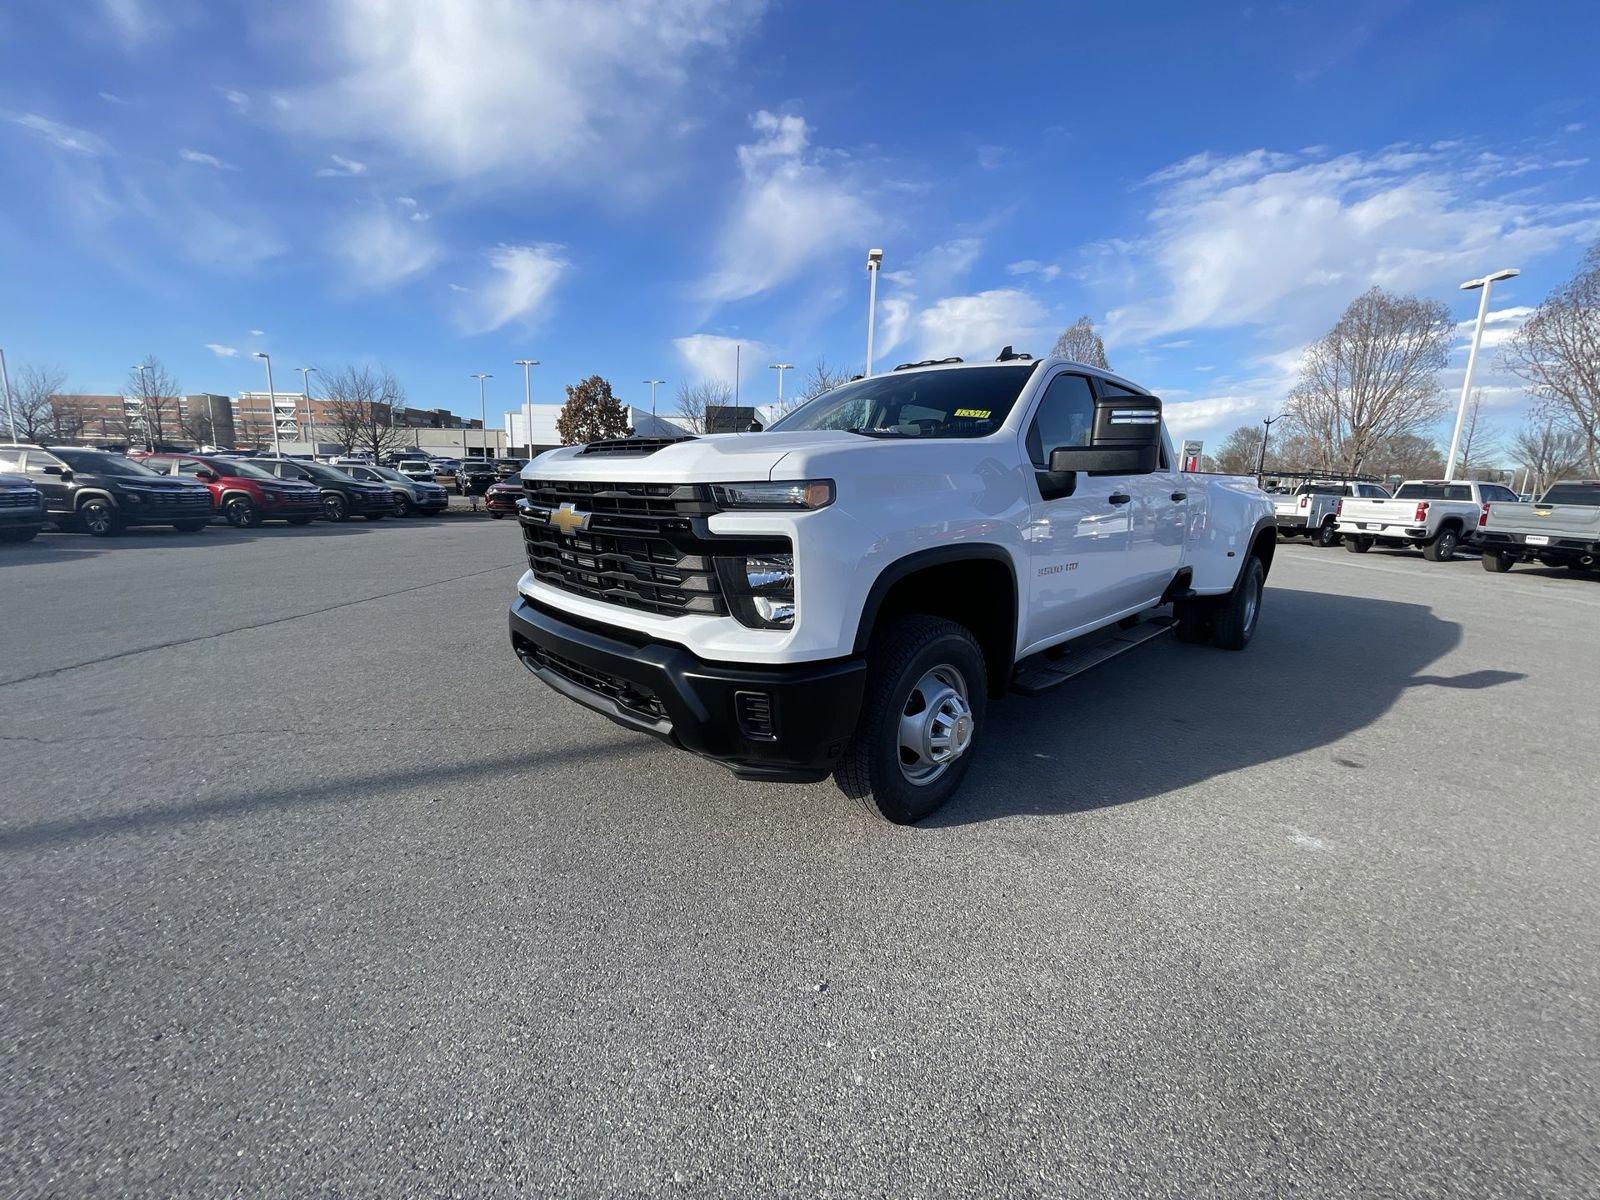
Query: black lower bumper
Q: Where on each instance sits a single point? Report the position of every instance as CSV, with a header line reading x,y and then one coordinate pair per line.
x,y
781,723
1555,548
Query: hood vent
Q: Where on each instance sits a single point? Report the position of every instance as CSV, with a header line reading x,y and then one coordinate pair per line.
x,y
632,446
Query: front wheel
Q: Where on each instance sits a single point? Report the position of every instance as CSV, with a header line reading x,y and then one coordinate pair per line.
x,y
919,720
1358,545
1443,546
1234,622
402,506
335,507
99,519
1328,535
239,512
1497,561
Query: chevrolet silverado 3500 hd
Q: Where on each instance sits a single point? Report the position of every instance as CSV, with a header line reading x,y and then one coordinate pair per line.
x,y
845,592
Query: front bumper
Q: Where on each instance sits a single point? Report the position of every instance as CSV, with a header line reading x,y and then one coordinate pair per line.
x,y
31,517
780,723
501,501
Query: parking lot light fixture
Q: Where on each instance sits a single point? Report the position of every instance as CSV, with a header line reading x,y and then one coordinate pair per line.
x,y
272,400
652,383
1261,460
527,364
874,261
311,417
1486,285
780,368
483,412
5,379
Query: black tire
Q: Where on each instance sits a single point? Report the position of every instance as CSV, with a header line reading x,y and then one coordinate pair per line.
x,y
1443,546
14,536
906,653
299,520
402,505
1358,545
99,518
1327,535
190,526
1497,561
1239,611
241,512
335,507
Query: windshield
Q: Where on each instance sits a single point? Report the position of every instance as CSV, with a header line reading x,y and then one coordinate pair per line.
x,y
931,404
324,472
102,464
1573,493
386,473
238,469
1324,489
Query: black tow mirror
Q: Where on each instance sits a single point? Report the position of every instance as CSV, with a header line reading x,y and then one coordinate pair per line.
x,y
52,469
755,426
1126,439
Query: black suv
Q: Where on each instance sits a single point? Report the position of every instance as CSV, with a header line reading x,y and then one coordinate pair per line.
x,y
104,493
21,509
343,497
474,476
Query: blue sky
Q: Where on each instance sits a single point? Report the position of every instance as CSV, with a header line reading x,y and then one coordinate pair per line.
x,y
445,188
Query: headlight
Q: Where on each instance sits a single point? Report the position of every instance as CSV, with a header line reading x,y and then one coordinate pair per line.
x,y
791,494
760,589
133,497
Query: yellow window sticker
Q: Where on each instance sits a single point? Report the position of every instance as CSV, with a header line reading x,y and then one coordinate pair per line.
x,y
976,413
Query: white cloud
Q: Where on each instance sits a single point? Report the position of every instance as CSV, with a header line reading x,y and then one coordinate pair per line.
x,y
711,356
1048,272
239,100
342,168
63,137
380,249
791,211
259,333
547,88
222,351
418,213
111,98
519,287
205,160
1286,240
131,20
979,325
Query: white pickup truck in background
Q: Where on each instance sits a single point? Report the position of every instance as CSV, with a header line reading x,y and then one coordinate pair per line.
x,y
1561,530
1435,515
1311,510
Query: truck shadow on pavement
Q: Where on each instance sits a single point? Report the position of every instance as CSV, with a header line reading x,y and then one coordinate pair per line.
x,y
1320,667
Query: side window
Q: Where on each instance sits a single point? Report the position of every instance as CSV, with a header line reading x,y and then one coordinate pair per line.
x,y
189,467
1458,491
1065,418
10,457
35,461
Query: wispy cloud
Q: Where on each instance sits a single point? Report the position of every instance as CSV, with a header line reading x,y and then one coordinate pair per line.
x,y
205,160
1047,272
518,288
981,324
417,212
222,351
342,168
711,356
111,98
63,137
380,249
132,20
258,333
240,101
791,211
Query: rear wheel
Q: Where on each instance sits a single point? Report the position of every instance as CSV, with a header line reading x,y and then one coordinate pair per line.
x,y
1497,561
1443,546
98,518
402,505
239,512
1236,615
335,507
1358,545
1327,535
919,720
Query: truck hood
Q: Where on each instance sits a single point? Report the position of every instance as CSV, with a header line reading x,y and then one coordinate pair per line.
x,y
712,458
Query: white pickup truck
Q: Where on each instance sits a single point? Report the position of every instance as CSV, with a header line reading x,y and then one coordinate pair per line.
x,y
1436,514
1312,508
1561,530
843,593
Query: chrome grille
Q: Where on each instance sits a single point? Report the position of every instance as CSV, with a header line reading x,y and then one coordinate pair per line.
x,y
18,498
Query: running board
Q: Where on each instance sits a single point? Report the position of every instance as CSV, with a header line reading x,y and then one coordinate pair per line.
x,y
1040,674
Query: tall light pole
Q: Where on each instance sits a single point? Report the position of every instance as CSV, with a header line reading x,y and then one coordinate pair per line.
x,y
527,364
652,383
483,412
738,352
780,368
874,261
1261,460
311,417
5,378
272,400
1487,285
144,417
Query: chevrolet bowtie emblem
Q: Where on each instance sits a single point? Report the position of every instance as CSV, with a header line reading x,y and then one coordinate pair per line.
x,y
568,519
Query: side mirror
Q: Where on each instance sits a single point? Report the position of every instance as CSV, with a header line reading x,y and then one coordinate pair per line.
x,y
52,469
1126,439
207,474
755,427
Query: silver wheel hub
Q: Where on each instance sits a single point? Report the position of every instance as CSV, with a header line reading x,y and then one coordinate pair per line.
x,y
936,725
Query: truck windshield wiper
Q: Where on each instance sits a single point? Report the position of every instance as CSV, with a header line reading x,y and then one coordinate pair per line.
x,y
879,433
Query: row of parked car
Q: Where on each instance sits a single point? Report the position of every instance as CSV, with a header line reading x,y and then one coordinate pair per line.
x,y
1561,528
102,493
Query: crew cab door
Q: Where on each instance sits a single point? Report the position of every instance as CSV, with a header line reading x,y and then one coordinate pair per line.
x,y
53,483
1096,542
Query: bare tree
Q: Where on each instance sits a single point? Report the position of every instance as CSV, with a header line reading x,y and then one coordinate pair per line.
x,y
198,422
1408,455
821,378
592,413
1557,351
1548,451
1479,441
361,403
1240,451
155,411
694,399
1375,374
1081,343
33,404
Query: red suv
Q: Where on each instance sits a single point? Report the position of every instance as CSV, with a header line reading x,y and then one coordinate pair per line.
x,y
245,495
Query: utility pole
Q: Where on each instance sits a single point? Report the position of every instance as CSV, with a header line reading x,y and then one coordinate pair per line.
x,y
874,261
737,350
144,417
483,412
652,383
1486,284
272,400
311,417
527,400
5,377
1261,460
780,368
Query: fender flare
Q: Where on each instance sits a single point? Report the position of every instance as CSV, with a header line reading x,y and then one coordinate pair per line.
x,y
1265,524
92,493
919,560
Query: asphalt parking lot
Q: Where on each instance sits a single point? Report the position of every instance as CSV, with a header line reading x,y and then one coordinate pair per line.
x,y
309,889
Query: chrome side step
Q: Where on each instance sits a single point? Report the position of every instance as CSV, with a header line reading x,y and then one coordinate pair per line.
x,y
1039,674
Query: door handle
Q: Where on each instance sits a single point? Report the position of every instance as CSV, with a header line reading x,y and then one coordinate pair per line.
x,y
1118,498
1177,496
